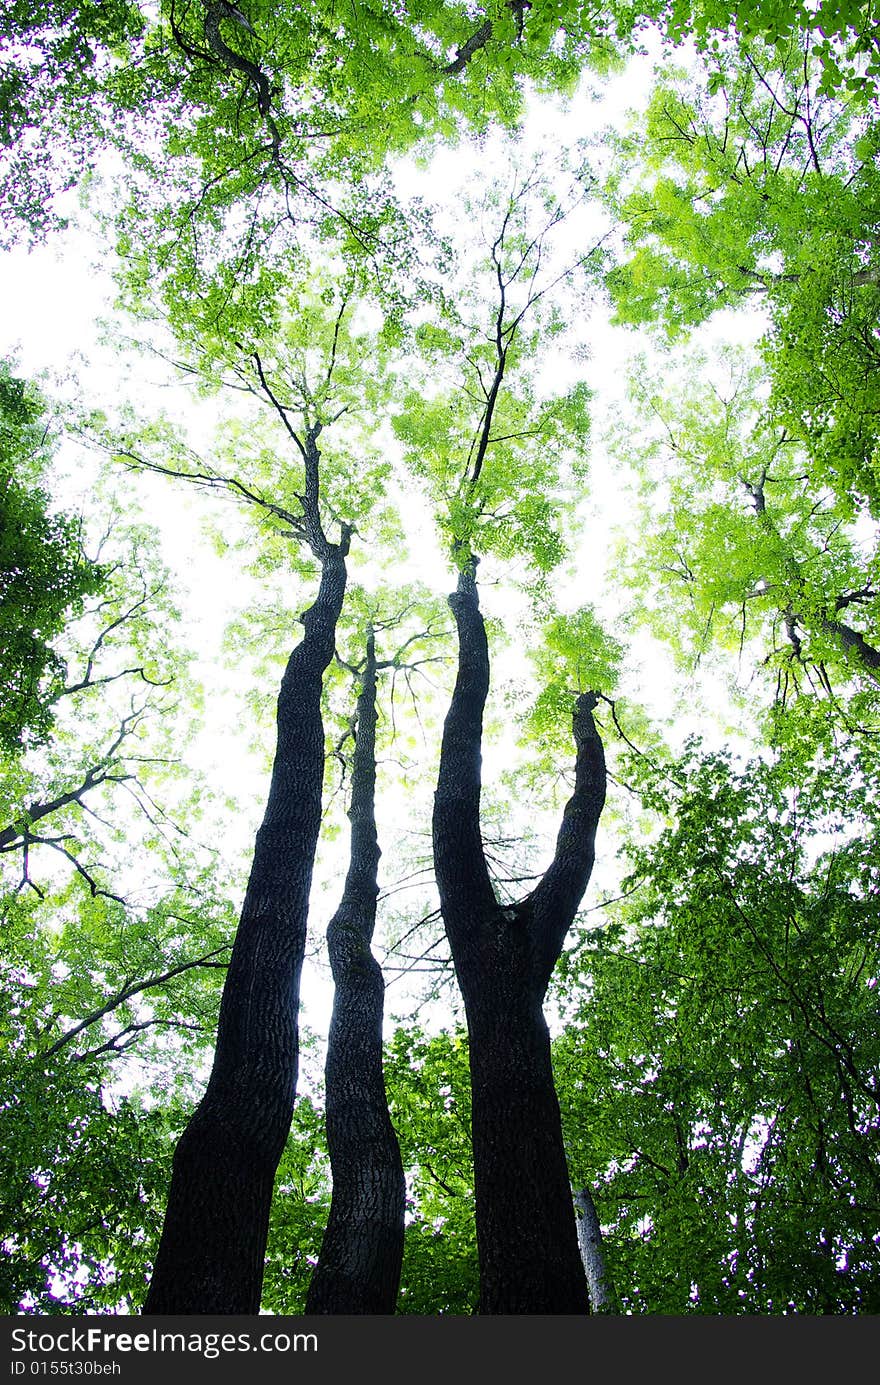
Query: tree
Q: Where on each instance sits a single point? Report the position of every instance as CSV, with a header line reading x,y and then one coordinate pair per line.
x,y
504,956
358,1270
211,1255
590,1242
503,952
190,1270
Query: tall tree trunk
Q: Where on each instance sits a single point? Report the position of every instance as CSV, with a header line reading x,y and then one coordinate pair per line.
x,y
211,1253
358,1269
504,956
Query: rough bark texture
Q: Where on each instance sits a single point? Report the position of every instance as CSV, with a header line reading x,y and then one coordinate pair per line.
x,y
211,1254
590,1242
854,646
358,1269
504,956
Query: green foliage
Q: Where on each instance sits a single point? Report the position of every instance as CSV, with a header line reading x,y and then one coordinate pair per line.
x,y
493,446
764,190
83,1175
87,1133
719,1095
429,1097
742,550
244,144
44,572
53,66
840,35
300,1207
572,654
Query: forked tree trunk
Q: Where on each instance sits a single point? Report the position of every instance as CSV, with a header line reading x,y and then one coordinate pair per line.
x,y
211,1254
504,956
358,1269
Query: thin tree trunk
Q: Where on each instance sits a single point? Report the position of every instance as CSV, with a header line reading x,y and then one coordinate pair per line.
x,y
590,1242
504,956
211,1254
358,1269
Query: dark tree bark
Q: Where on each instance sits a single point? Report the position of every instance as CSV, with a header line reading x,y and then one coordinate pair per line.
x,y
211,1254
358,1269
504,956
854,646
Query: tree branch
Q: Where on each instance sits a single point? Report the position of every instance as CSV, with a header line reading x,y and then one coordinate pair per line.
x,y
17,833
132,989
553,903
462,872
